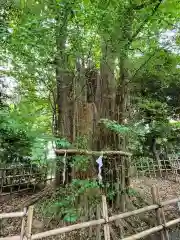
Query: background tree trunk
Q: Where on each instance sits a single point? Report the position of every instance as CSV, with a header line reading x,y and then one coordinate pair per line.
x,y
64,81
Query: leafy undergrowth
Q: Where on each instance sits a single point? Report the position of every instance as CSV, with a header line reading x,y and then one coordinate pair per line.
x,y
63,205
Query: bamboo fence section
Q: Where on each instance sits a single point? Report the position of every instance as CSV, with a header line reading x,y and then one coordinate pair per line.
x,y
162,225
165,168
19,178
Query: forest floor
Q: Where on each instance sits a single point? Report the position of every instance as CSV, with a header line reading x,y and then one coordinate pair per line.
x,y
168,190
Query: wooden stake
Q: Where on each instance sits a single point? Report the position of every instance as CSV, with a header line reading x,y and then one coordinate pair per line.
x,y
123,184
158,211
166,233
29,222
23,225
105,215
98,228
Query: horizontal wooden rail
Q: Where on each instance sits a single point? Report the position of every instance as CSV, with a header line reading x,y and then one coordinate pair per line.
x,y
32,181
172,222
12,215
144,233
14,192
24,167
169,202
152,230
21,175
86,152
133,213
68,229
13,238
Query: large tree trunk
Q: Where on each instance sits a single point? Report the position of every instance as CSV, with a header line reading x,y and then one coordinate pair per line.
x,y
123,106
122,167
64,80
105,97
106,83
122,96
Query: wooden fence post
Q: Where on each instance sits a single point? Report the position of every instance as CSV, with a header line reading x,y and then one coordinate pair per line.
x,y
123,187
23,225
29,222
105,216
166,233
98,228
158,211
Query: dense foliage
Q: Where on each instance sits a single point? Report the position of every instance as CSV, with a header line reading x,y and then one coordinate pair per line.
x,y
138,40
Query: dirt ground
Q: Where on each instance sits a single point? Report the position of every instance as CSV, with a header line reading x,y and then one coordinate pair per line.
x,y
168,190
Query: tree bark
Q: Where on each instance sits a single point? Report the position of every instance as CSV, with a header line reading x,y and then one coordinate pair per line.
x,y
64,82
105,97
106,86
123,100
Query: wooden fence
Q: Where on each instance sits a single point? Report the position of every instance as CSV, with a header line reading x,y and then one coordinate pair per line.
x,y
21,177
162,226
166,168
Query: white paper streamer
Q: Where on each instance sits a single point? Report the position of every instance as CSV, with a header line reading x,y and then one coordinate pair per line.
x,y
100,164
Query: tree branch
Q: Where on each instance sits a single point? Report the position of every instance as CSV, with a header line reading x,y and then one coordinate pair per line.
x,y
144,64
171,24
145,22
143,5
136,49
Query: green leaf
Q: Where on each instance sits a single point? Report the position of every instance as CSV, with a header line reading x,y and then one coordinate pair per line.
x,y
71,217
